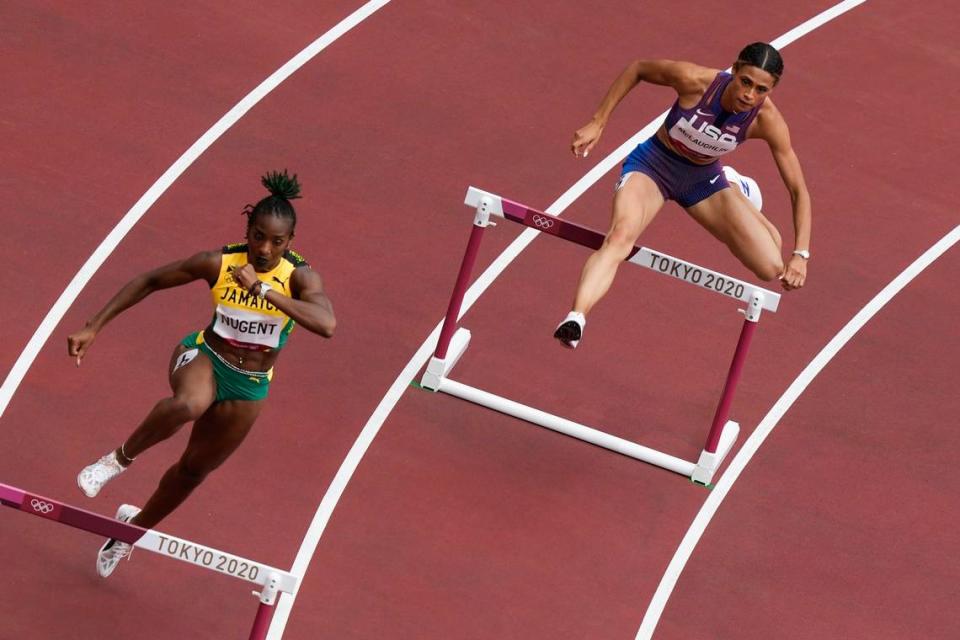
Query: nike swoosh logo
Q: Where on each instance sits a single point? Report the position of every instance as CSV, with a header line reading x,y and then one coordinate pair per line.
x,y
701,113
715,178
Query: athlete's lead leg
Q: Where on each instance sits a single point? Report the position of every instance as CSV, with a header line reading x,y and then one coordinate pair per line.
x,y
194,390
637,201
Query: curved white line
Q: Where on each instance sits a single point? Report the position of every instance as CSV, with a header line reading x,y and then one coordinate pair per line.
x,y
102,252
419,359
712,503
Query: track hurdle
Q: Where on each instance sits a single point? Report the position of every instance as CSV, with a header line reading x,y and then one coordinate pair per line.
x,y
271,581
453,341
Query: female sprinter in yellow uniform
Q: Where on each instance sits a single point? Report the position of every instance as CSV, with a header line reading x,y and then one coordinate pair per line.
x,y
220,376
714,112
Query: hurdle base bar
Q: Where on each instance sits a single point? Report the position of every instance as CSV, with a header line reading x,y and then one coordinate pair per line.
x,y
567,427
438,368
435,378
708,463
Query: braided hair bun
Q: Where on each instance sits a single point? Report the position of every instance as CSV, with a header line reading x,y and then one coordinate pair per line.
x,y
281,185
283,188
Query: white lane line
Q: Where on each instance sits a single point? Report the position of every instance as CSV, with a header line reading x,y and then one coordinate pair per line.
x,y
372,427
709,508
378,417
102,252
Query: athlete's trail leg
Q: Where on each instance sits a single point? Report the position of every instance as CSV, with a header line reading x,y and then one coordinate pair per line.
x,y
753,239
194,390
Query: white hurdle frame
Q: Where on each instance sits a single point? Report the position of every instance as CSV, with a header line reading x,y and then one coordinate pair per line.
x,y
453,341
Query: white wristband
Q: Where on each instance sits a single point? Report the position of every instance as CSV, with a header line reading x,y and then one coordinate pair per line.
x,y
264,287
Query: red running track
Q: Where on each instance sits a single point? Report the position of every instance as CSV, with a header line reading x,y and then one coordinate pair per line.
x,y
460,522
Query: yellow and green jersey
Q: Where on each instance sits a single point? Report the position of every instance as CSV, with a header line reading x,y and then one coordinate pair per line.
x,y
243,319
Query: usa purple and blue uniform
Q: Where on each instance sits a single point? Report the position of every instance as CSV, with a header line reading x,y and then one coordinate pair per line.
x,y
701,133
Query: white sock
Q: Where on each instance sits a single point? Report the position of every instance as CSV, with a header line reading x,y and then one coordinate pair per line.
x,y
748,186
577,317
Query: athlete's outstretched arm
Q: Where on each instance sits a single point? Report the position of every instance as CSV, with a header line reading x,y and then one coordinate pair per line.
x,y
775,131
205,265
684,77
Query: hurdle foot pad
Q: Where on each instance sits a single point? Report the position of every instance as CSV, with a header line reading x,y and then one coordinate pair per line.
x,y
439,368
708,463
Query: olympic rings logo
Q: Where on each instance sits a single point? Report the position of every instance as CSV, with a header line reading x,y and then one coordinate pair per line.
x,y
542,221
41,506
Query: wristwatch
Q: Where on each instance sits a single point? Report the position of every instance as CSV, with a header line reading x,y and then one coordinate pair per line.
x,y
803,253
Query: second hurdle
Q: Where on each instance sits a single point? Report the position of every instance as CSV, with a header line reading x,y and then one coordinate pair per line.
x,y
453,341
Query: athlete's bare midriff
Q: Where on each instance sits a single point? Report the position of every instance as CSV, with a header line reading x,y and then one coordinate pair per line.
x,y
248,359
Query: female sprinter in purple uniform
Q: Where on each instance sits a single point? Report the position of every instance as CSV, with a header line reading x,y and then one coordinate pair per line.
x,y
219,375
714,113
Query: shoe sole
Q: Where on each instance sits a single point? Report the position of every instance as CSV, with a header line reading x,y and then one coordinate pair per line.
x,y
111,541
569,334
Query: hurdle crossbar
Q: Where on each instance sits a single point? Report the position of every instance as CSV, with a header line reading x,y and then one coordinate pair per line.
x,y
708,279
453,341
272,581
